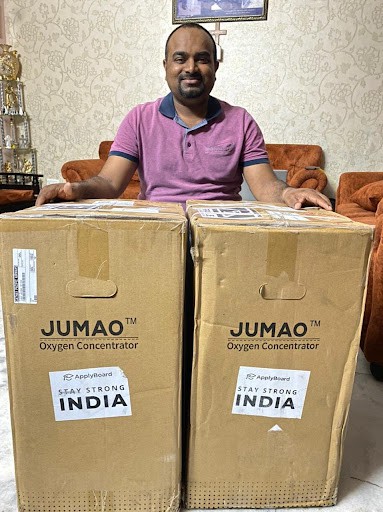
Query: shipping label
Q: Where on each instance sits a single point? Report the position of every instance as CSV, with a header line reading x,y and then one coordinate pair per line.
x,y
90,393
24,276
270,392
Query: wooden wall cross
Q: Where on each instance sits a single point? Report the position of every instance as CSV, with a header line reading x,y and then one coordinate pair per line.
x,y
216,33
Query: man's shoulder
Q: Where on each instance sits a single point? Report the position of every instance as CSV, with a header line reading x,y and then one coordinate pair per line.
x,y
233,111
229,107
148,105
143,111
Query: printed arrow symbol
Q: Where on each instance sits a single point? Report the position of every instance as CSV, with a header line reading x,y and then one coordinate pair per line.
x,y
276,428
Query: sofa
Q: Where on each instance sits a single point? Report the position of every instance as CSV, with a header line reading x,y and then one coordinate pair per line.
x,y
303,162
18,190
360,197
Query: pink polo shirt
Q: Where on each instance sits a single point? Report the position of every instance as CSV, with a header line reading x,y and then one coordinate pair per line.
x,y
177,163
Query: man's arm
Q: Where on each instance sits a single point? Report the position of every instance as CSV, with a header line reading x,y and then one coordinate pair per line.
x,y
266,187
109,183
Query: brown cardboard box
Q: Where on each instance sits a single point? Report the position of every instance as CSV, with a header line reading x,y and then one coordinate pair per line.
x,y
279,299
93,303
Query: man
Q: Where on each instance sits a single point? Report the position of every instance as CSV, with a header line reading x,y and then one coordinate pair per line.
x,y
188,145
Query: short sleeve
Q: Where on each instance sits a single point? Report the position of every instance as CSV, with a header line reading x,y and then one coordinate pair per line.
x,y
254,148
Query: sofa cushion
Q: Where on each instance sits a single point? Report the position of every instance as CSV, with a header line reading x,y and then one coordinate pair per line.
x,y
9,196
369,196
355,212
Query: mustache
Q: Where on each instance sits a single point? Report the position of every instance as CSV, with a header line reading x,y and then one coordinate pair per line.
x,y
190,76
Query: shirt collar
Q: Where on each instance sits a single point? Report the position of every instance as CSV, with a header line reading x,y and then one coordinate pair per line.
x,y
167,108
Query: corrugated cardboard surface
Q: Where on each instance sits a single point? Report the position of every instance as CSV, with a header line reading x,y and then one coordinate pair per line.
x,y
109,301
279,299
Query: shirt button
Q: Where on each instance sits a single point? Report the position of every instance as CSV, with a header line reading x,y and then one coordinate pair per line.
x,y
189,144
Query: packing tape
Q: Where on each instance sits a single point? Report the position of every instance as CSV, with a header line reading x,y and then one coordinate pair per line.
x,y
281,260
93,264
93,252
281,255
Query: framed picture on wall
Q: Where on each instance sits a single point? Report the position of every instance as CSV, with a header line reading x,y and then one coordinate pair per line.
x,y
219,10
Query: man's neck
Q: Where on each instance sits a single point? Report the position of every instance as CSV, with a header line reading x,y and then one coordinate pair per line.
x,y
191,114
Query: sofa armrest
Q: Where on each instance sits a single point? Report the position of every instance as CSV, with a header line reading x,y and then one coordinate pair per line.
x,y
350,182
309,178
80,170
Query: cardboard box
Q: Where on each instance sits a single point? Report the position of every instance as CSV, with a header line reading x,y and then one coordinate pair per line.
x,y
279,299
93,305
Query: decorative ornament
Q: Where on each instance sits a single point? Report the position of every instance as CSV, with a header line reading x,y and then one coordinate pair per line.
x,y
27,166
9,63
7,167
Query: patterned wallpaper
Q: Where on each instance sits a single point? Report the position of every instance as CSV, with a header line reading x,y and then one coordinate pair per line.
x,y
311,73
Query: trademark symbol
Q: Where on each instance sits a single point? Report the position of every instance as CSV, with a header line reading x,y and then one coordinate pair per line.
x,y
131,320
315,323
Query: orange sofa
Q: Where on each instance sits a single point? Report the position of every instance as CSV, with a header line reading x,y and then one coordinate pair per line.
x,y
303,162
18,190
360,197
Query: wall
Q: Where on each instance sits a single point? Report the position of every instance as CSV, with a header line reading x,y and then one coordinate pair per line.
x,y
311,73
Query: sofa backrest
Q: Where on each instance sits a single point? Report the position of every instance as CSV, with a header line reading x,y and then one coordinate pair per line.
x,y
295,157
104,148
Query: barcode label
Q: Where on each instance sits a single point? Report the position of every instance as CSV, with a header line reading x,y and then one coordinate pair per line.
x,y
24,276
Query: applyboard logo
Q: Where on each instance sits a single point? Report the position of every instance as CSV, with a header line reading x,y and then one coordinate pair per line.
x,y
269,392
252,376
91,393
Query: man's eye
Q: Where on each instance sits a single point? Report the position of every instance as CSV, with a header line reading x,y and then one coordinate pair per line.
x,y
179,60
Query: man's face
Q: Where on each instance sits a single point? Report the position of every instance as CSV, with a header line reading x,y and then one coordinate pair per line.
x,y
189,66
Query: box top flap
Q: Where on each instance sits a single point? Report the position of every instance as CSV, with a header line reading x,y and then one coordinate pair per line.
x,y
102,208
254,213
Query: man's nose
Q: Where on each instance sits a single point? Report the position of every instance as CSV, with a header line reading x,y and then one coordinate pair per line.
x,y
190,65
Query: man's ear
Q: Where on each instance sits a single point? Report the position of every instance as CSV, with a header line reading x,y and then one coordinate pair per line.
x,y
216,65
164,63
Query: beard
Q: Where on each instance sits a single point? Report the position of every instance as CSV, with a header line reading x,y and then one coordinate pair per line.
x,y
194,91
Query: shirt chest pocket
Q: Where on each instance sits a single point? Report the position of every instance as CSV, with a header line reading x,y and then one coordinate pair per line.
x,y
219,162
220,150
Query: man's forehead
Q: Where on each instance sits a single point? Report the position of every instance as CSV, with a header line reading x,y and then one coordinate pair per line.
x,y
190,36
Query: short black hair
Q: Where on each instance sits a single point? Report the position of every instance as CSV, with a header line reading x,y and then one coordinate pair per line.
x,y
192,25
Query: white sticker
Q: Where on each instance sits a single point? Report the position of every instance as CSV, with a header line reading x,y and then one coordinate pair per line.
x,y
90,393
269,392
115,202
137,210
24,276
229,212
95,205
287,216
68,206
